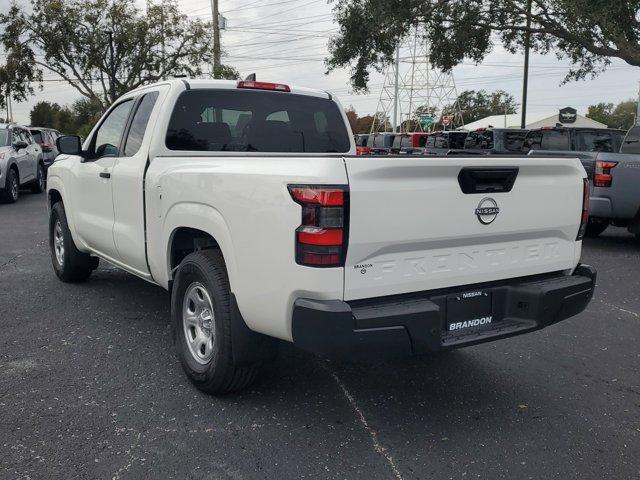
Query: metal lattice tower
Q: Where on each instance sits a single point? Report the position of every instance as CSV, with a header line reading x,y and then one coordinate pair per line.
x,y
416,85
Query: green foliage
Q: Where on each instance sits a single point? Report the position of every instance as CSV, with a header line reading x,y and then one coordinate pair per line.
x,y
619,116
587,32
66,37
480,104
78,118
17,74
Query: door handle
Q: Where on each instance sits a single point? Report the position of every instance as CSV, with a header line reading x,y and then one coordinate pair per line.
x,y
105,175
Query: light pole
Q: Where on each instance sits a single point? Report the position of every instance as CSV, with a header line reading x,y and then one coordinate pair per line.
x,y
112,72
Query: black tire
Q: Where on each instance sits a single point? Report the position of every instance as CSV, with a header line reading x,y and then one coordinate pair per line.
x,y
11,187
213,372
39,185
595,227
72,266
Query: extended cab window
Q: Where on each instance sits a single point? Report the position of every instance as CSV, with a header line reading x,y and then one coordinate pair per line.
x,y
256,121
139,124
533,141
107,139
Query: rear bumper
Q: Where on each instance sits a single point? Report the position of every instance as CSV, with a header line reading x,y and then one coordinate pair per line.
x,y
417,323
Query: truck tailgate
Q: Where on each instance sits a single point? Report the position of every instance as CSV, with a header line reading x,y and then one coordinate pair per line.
x,y
412,228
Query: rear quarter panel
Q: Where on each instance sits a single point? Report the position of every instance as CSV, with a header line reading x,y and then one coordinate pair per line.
x,y
243,202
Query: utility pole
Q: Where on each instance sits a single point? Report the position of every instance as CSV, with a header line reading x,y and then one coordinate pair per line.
x,y
525,83
637,122
216,38
395,90
112,80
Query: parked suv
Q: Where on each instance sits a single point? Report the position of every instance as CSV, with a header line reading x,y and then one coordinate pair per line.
x,y
409,143
362,144
46,138
20,162
381,143
439,143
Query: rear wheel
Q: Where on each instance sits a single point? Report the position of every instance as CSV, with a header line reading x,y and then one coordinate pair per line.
x,y
38,186
70,264
11,188
201,313
595,227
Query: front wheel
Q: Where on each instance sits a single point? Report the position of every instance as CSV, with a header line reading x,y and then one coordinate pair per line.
x,y
70,264
12,186
201,314
39,185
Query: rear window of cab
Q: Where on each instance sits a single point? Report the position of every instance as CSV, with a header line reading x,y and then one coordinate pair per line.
x,y
256,121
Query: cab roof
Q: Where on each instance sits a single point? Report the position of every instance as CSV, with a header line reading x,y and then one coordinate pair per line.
x,y
201,83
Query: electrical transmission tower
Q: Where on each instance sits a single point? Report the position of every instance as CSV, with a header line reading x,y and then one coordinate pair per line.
x,y
413,90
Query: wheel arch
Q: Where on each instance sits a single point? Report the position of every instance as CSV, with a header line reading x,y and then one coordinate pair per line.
x,y
190,227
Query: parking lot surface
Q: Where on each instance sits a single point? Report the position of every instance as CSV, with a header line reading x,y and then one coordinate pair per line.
x,y
90,388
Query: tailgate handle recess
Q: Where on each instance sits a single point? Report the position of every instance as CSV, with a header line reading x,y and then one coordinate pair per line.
x,y
487,179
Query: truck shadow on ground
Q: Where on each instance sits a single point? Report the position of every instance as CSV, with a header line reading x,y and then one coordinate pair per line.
x,y
416,389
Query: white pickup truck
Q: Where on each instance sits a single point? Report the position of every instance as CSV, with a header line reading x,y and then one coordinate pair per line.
x,y
247,202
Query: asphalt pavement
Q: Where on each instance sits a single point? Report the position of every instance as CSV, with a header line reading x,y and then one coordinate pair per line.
x,y
90,388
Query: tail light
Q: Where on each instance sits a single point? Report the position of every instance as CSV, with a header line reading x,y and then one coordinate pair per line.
x,y
321,239
363,151
584,219
253,85
602,177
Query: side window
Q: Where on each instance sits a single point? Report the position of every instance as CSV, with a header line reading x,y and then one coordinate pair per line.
x,y
139,124
555,140
15,136
107,139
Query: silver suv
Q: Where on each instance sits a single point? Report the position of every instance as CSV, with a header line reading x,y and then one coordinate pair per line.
x,y
21,163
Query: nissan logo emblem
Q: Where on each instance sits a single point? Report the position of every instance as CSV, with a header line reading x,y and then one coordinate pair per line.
x,y
487,210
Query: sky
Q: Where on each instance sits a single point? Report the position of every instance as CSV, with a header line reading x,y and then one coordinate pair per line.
x,y
286,41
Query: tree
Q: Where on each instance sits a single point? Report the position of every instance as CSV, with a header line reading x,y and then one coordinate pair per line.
x,y
68,38
620,116
480,104
45,114
78,118
588,33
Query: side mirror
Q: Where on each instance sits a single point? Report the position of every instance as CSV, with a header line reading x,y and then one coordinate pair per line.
x,y
69,145
20,145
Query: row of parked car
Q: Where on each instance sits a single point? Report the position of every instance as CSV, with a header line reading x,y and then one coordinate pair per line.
x,y
25,155
494,141
610,157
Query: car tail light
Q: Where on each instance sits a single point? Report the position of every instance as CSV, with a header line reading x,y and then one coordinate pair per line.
x,y
584,218
602,177
280,87
363,151
321,239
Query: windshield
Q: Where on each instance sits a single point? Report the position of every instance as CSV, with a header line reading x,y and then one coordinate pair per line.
x,y
593,141
256,121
